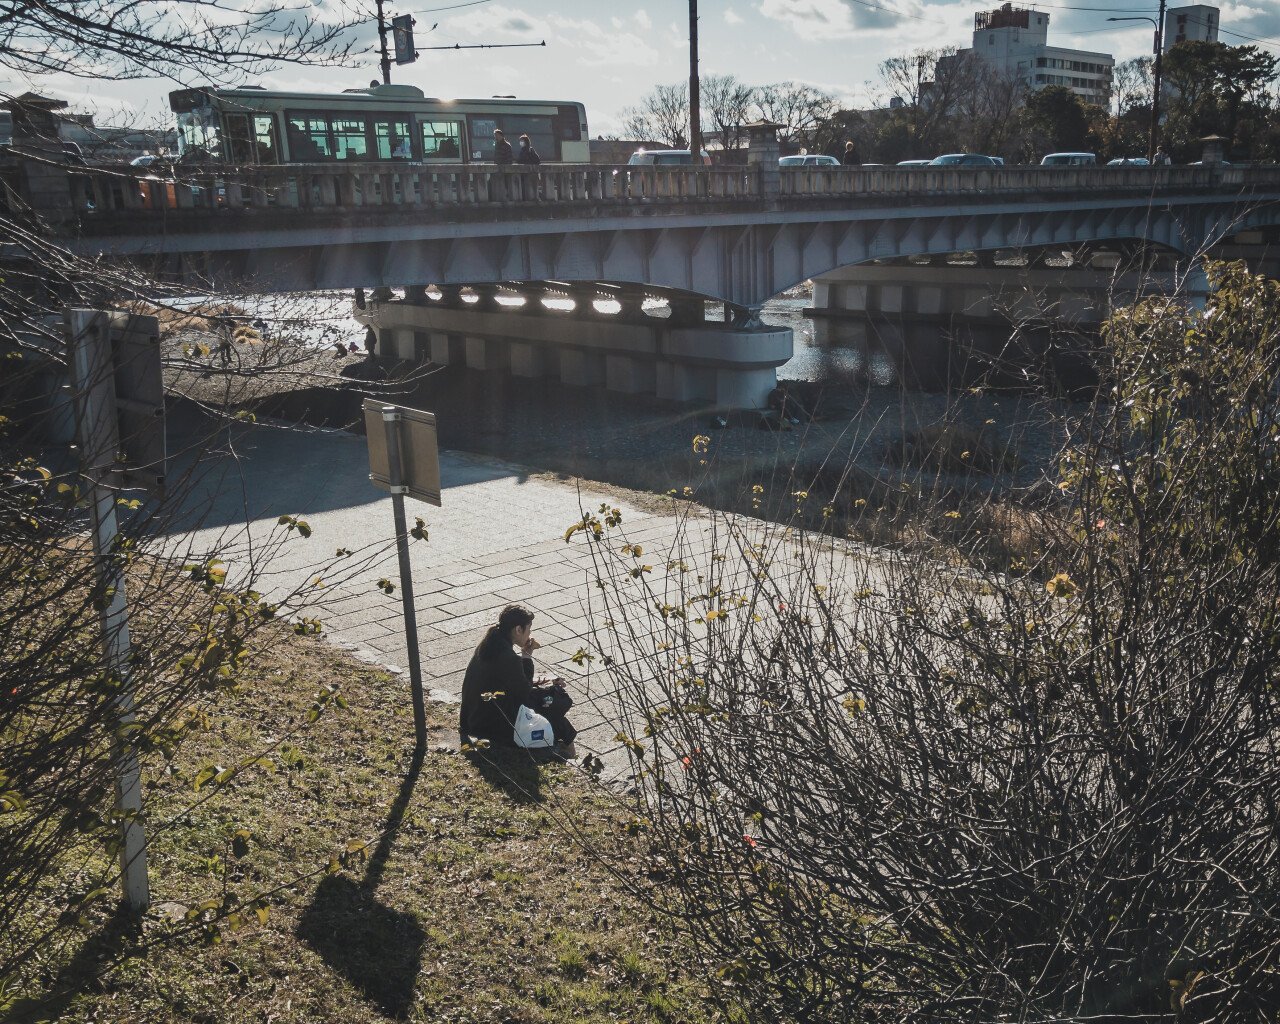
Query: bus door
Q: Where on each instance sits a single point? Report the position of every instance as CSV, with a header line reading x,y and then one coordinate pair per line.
x,y
442,138
392,137
252,139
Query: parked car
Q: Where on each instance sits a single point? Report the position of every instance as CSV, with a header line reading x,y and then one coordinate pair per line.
x,y
1129,161
1070,160
1201,163
966,160
914,163
665,158
809,160
157,161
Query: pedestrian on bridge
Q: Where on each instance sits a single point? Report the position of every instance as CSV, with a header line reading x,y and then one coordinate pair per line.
x,y
502,154
850,158
527,155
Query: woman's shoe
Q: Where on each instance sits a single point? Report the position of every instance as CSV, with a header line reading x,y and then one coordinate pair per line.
x,y
568,751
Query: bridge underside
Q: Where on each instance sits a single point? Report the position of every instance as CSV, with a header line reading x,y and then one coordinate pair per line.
x,y
742,261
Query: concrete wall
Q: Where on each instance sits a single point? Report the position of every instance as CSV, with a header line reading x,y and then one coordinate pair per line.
x,y
714,363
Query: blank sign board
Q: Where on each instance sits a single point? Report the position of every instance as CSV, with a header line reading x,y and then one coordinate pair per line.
x,y
415,431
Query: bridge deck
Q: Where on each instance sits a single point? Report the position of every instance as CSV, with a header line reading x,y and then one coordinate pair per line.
x,y
107,198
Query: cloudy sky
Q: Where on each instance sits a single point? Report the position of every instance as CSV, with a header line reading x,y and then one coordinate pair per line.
x,y
610,54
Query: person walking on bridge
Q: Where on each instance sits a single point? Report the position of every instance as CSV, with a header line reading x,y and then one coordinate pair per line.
x,y
850,158
527,155
502,154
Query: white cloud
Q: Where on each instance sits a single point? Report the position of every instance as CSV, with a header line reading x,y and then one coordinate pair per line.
x,y
732,17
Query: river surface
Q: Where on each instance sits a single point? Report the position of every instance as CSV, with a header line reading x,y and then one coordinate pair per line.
x,y
323,318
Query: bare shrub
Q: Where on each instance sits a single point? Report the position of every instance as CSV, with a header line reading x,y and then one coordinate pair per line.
x,y
887,786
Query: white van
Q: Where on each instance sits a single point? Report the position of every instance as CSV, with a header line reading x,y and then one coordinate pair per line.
x,y
1070,160
665,158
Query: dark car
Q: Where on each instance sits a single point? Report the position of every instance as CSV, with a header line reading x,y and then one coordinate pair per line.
x,y
966,160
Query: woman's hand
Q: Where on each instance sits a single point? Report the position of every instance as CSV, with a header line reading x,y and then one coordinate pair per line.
x,y
529,646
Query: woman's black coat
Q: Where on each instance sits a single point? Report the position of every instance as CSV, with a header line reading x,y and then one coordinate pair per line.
x,y
502,671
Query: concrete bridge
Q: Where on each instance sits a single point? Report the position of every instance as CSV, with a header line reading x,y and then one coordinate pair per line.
x,y
737,236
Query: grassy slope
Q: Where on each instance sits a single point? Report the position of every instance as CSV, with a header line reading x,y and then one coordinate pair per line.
x,y
477,906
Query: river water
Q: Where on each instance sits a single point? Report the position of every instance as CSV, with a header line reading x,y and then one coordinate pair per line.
x,y
323,318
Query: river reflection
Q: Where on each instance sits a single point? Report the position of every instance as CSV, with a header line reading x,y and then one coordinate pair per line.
x,y
323,318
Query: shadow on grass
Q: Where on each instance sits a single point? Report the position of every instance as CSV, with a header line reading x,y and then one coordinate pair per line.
x,y
513,772
107,946
377,948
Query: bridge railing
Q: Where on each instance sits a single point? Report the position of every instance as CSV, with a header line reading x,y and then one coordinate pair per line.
x,y
851,181
346,187
104,191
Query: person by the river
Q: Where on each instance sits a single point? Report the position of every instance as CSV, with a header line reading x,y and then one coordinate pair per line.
x,y
498,681
850,157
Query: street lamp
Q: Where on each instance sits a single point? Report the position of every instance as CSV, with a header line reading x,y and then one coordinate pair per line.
x,y
1155,96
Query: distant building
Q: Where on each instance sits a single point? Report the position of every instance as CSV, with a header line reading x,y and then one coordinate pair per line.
x,y
1197,23
1016,42
95,143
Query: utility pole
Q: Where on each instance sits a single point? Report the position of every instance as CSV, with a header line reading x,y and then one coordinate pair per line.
x,y
1153,136
695,98
1154,142
382,37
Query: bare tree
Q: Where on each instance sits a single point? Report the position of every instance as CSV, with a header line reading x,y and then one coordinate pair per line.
x,y
663,115
1132,84
127,39
199,599
887,785
726,105
802,109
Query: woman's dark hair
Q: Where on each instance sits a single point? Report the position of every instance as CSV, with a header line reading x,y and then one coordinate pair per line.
x,y
513,615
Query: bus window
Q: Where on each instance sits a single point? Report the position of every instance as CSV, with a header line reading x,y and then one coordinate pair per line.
x,y
308,138
539,130
392,140
566,125
239,141
198,135
441,140
264,135
349,139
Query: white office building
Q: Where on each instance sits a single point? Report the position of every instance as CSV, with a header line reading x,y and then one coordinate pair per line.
x,y
1016,41
1197,23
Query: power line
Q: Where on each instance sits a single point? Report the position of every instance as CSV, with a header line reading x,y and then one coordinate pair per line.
x,y
1252,39
1105,10
900,14
451,7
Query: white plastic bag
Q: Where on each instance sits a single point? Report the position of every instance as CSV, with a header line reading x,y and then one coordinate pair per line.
x,y
532,730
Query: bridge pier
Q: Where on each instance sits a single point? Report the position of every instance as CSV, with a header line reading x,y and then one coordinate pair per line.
x,y
945,323
683,358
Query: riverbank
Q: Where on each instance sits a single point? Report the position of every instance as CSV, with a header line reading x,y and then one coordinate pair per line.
x,y
333,880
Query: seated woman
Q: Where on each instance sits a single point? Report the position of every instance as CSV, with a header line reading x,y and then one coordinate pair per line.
x,y
497,669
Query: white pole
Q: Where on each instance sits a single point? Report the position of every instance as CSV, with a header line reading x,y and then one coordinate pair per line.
x,y
93,376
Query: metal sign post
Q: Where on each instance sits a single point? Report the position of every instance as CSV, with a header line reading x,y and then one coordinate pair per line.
x,y
404,459
97,369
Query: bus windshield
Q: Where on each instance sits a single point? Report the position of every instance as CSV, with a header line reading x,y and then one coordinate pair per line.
x,y
198,135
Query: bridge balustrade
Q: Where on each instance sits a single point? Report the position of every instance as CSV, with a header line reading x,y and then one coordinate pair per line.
x,y
102,190
105,191
861,181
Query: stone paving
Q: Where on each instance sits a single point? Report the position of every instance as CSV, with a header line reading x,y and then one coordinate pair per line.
x,y
497,539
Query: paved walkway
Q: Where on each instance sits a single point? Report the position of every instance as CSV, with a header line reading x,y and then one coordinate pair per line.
x,y
499,538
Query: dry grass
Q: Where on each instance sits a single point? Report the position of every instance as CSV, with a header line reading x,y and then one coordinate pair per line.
x,y
464,894
199,318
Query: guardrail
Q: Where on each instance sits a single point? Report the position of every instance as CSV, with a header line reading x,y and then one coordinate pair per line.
x,y
102,191
851,181
326,186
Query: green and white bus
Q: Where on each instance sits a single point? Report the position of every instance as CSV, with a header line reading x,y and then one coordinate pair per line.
x,y
252,125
